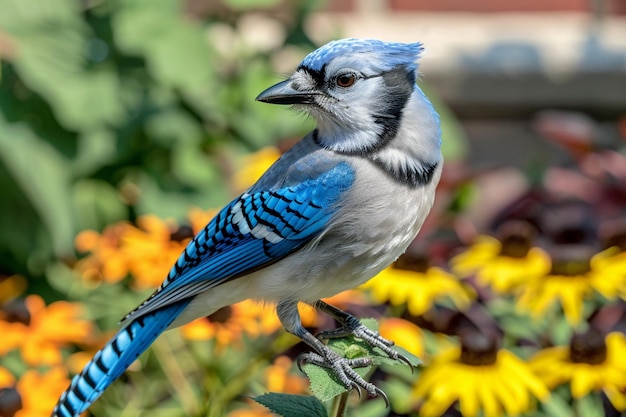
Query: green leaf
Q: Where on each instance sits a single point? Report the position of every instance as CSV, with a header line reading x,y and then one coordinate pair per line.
x,y
589,406
289,405
556,406
40,171
176,51
98,204
399,393
52,61
324,383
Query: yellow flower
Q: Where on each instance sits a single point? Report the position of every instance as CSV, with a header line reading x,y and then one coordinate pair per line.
x,y
571,281
591,363
254,166
609,277
45,331
418,290
36,393
493,381
502,266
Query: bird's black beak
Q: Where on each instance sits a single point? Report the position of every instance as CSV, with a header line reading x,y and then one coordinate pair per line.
x,y
284,93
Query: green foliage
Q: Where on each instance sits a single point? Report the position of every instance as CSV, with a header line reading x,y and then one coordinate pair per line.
x,y
113,109
287,405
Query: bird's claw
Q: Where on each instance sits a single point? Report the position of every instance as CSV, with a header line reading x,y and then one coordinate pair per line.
x,y
343,370
371,337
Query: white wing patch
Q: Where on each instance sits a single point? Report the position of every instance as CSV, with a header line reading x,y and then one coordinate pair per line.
x,y
259,231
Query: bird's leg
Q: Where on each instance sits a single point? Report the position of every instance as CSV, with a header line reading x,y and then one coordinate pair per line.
x,y
350,325
324,356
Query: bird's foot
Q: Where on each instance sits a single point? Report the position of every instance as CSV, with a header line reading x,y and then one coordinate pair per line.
x,y
342,368
371,337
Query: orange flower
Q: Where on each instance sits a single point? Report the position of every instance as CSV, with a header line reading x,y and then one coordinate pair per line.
x,y
149,250
106,261
6,378
11,287
249,317
257,411
49,329
200,218
40,392
278,377
229,324
403,333
36,392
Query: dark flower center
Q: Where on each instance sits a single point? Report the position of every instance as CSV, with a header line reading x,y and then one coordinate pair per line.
x,y
589,347
183,232
15,311
617,238
516,238
222,315
10,402
571,260
570,268
478,349
416,262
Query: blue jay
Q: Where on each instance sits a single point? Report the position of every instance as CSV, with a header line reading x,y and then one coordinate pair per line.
x,y
331,213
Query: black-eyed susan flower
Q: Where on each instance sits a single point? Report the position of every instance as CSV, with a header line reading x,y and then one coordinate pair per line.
x,y
575,276
609,278
479,378
418,286
34,394
591,363
503,264
41,331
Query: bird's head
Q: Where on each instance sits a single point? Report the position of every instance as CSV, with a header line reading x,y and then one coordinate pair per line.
x,y
356,89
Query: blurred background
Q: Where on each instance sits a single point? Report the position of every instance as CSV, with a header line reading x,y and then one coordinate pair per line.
x,y
124,125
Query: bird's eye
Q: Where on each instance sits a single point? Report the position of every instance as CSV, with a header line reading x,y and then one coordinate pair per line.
x,y
346,80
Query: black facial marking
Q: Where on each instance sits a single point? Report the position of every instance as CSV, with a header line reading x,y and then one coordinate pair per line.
x,y
316,75
399,85
415,177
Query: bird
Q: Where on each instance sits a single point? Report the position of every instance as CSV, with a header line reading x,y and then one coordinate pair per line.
x,y
332,212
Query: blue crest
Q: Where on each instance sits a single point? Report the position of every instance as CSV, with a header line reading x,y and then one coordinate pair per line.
x,y
387,54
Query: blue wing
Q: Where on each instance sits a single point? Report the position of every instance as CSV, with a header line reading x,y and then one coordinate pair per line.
x,y
253,231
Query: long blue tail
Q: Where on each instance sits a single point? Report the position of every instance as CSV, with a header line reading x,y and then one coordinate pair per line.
x,y
113,359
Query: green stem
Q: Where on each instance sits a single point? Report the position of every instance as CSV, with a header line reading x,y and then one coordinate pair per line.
x,y
176,376
341,404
